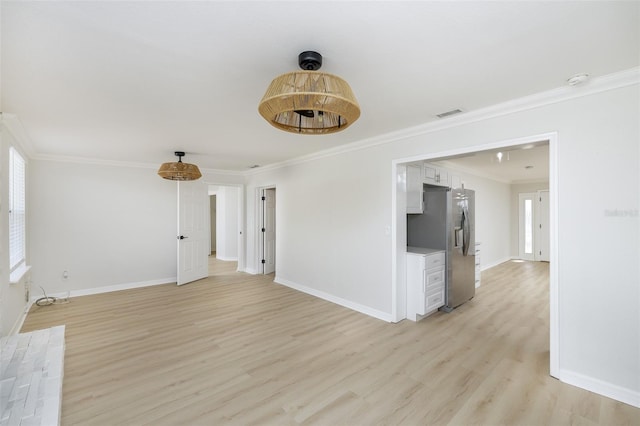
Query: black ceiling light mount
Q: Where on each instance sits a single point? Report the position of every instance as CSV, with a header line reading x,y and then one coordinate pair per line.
x,y
310,61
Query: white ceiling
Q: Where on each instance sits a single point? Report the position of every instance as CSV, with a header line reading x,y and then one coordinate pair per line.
x,y
135,81
521,164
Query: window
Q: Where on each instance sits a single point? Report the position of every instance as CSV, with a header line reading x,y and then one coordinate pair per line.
x,y
17,210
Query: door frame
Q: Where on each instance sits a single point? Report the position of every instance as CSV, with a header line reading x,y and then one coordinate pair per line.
x,y
258,228
399,231
539,231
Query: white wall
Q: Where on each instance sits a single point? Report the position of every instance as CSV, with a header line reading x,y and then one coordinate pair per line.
x,y
334,214
331,225
515,212
106,225
227,198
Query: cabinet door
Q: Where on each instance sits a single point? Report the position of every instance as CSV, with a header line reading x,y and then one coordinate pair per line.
x,y
415,193
435,175
443,177
415,280
435,300
430,174
455,181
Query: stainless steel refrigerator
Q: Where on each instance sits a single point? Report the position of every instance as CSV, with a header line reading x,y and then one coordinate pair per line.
x,y
448,223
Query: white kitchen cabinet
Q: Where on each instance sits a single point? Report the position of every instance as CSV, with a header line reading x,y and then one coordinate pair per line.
x,y
435,175
415,194
426,277
455,181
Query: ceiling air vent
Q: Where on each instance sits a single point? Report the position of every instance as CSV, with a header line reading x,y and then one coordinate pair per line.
x,y
448,113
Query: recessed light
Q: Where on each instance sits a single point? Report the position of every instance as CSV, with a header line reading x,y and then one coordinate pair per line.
x,y
577,79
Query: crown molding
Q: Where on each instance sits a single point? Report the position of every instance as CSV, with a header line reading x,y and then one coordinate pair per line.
x,y
561,94
222,172
114,163
93,161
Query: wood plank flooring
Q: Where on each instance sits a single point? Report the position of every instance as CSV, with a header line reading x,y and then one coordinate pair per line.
x,y
238,349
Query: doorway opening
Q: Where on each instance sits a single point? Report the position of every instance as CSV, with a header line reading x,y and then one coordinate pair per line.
x,y
400,198
226,214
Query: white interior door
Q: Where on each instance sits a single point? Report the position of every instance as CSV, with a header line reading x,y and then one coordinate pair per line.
x,y
193,231
542,228
526,234
269,230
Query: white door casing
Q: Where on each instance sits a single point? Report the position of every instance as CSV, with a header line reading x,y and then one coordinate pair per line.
x,y
542,227
269,230
193,231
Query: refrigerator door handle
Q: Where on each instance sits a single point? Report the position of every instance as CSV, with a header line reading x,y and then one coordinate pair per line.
x,y
466,230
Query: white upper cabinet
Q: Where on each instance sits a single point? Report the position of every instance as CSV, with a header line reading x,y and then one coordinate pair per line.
x,y
435,175
415,193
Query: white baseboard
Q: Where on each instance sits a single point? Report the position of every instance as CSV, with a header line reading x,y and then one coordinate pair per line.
x,y
492,264
628,396
384,316
110,288
227,259
252,271
20,320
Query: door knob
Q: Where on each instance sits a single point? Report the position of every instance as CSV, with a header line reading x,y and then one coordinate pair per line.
x,y
182,237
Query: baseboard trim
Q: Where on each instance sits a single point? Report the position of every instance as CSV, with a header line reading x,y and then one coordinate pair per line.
x,y
628,396
384,316
227,259
252,271
492,264
111,288
17,326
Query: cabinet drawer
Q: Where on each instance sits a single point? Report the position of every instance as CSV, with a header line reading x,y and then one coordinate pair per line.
x,y
435,300
434,260
433,279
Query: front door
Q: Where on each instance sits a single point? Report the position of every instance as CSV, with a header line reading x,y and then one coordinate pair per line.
x,y
193,231
526,226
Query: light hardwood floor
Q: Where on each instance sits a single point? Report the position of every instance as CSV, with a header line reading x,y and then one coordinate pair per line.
x,y
239,349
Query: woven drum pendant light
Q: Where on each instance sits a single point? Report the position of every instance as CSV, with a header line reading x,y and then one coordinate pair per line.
x,y
179,170
309,101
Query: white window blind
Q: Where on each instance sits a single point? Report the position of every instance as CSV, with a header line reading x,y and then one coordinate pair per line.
x,y
17,211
